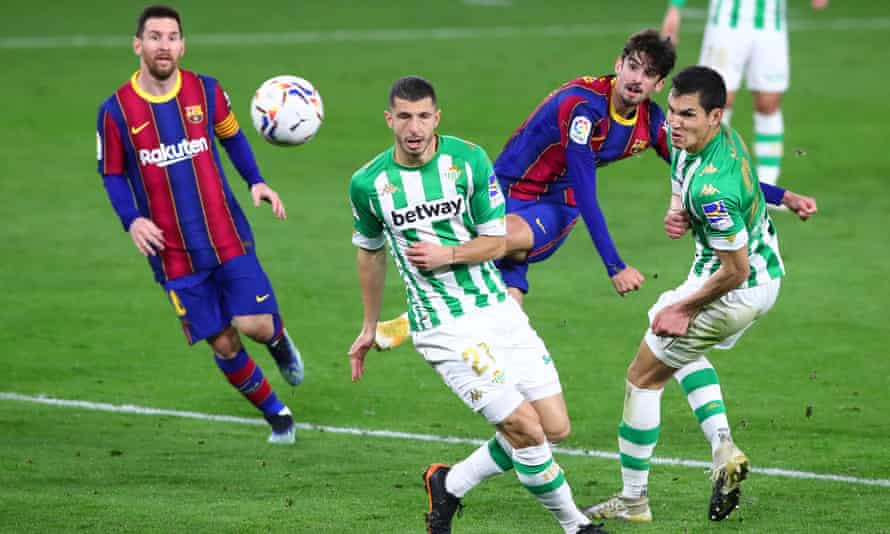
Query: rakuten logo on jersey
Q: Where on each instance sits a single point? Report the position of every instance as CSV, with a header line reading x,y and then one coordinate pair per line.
x,y
427,212
169,154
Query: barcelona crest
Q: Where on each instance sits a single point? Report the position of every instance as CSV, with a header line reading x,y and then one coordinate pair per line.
x,y
194,114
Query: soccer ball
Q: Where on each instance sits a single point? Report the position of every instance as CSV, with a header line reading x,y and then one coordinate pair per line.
x,y
287,110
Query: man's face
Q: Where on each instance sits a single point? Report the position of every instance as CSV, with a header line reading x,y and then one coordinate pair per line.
x,y
691,126
635,79
160,46
413,125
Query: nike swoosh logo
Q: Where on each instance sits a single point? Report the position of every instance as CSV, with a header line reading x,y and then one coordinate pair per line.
x,y
262,298
136,129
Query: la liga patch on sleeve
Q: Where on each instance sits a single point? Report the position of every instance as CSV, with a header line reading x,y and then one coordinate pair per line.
x,y
717,215
580,130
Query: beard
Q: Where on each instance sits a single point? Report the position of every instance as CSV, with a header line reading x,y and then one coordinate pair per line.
x,y
161,73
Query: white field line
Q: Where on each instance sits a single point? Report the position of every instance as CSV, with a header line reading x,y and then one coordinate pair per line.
x,y
140,410
441,34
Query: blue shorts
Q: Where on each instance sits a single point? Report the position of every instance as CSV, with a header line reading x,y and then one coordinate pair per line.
x,y
551,221
206,301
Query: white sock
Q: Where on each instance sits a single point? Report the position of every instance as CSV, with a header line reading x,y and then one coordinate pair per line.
x,y
702,388
485,462
769,142
637,436
543,477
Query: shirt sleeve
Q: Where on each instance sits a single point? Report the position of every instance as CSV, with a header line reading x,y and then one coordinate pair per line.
x,y
658,132
367,228
225,125
581,167
486,199
724,225
109,147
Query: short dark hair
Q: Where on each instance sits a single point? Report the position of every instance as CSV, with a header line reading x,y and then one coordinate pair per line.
x,y
658,50
411,88
706,82
157,12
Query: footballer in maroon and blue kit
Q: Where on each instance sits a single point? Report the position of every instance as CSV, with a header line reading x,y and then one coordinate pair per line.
x,y
548,168
161,168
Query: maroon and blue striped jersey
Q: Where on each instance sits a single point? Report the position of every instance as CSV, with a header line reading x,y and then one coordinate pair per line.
x,y
534,163
164,146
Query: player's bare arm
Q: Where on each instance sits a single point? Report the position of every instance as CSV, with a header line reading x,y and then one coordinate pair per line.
x,y
670,26
429,256
261,191
148,238
371,274
673,320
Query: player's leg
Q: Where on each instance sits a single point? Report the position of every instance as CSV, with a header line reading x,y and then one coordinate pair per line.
x,y
539,383
249,297
471,364
247,377
198,302
701,385
727,51
768,78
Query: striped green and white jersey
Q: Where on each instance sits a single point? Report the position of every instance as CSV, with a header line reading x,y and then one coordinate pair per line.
x,y
720,190
450,200
746,14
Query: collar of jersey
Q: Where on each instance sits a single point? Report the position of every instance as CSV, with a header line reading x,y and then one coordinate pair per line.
x,y
156,99
614,114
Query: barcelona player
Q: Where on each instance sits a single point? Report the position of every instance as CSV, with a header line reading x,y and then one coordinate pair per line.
x,y
163,175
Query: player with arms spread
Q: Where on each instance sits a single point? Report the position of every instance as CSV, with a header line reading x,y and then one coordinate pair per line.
x,y
734,280
164,177
435,200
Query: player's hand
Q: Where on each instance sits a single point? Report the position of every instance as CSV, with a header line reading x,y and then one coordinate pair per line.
x,y
428,256
670,27
261,192
627,280
147,237
671,321
676,223
803,206
358,351
820,4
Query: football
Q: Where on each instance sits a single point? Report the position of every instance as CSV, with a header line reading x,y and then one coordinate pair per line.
x,y
287,110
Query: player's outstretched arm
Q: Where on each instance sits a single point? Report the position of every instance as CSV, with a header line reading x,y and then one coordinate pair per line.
x,y
371,274
261,191
819,4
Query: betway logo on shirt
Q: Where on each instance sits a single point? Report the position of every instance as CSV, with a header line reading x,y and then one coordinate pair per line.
x,y
428,212
169,154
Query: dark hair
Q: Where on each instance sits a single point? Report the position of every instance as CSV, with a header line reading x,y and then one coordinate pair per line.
x,y
157,12
411,88
702,80
658,50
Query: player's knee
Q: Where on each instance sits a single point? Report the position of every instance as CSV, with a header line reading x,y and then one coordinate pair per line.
x,y
259,328
227,343
559,432
522,428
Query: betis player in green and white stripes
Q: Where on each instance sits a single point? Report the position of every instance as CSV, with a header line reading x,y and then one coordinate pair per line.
x,y
434,200
749,39
734,280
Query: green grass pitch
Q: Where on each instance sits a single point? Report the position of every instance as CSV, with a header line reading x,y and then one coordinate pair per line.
x,y
807,389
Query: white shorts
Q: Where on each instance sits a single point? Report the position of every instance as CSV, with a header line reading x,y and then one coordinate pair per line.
x,y
492,359
719,324
758,56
